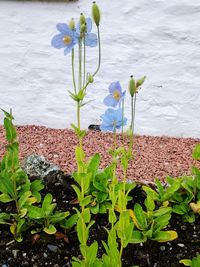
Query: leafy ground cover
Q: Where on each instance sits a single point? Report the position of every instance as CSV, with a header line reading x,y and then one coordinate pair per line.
x,y
57,250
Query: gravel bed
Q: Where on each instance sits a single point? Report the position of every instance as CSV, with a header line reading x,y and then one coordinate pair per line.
x,y
154,157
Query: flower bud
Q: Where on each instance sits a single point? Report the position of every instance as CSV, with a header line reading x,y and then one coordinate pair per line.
x,y
72,24
90,78
140,82
132,88
83,28
96,13
82,19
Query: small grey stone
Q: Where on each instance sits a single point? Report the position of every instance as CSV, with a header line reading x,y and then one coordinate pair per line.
x,y
14,252
52,248
45,255
180,245
162,248
37,166
183,227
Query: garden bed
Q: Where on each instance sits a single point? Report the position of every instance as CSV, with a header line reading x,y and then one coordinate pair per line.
x,y
154,157
51,251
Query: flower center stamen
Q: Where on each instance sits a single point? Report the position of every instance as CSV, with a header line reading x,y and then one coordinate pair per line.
x,y
116,95
67,39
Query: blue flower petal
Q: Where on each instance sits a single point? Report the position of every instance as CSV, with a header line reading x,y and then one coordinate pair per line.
x,y
89,24
106,128
68,49
64,28
115,86
91,39
110,101
110,117
57,41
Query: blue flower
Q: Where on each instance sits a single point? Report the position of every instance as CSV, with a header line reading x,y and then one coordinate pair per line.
x,y
66,39
116,95
90,38
112,119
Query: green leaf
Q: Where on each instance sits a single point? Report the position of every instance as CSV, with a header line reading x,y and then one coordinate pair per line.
x,y
86,201
4,217
140,216
35,212
58,216
50,230
5,198
24,198
86,215
69,223
93,164
149,191
47,202
196,152
149,203
36,186
186,262
80,155
77,190
137,237
165,236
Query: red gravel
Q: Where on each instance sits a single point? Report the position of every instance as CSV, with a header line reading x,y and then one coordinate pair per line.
x,y
154,156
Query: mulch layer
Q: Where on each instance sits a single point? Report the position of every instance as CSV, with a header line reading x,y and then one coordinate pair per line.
x,y
154,157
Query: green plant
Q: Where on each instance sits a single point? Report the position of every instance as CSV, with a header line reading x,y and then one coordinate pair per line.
x,y
181,193
195,262
45,216
150,223
15,185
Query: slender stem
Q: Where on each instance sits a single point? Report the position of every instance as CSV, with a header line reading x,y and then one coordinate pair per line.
x,y
121,251
115,137
73,74
99,43
133,106
79,123
80,65
84,62
123,120
134,113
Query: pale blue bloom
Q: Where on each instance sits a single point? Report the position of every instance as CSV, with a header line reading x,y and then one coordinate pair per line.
x,y
116,95
112,119
66,39
90,38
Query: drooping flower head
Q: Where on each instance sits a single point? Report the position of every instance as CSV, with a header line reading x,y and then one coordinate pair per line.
x,y
116,95
66,39
90,38
112,119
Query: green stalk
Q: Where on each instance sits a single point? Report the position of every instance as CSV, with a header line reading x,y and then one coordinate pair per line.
x,y
73,74
123,120
120,254
84,62
99,43
133,107
115,136
80,65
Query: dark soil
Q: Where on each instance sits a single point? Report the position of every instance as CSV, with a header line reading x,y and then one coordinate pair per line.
x,y
49,251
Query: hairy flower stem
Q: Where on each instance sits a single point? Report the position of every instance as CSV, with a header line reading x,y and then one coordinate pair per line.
x,y
133,107
84,62
73,73
80,65
99,44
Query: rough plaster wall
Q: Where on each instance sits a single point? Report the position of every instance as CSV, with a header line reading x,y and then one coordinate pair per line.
x,y
158,38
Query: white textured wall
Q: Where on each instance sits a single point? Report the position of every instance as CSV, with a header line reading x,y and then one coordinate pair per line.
x,y
158,38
